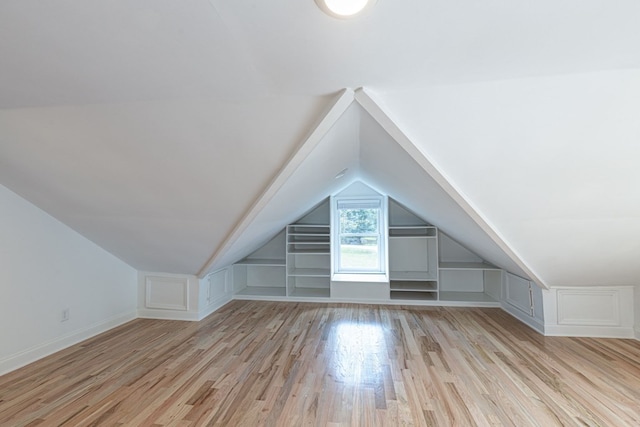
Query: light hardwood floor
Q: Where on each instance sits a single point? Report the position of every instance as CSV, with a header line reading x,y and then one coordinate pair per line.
x,y
289,364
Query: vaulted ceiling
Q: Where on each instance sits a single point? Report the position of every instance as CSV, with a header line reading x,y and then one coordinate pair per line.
x,y
155,128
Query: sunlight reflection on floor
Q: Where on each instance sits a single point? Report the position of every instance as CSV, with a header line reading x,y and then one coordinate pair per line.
x,y
359,353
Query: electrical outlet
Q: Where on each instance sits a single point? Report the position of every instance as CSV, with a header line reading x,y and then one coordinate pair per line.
x,y
65,315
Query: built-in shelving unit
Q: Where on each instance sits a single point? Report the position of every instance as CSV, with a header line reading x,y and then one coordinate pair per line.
x,y
413,256
414,290
308,260
413,260
425,265
262,273
308,254
259,277
465,277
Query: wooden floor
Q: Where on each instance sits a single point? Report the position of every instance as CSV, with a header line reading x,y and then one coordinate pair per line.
x,y
289,364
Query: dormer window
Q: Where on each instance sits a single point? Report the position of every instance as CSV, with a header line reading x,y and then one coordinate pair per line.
x,y
358,235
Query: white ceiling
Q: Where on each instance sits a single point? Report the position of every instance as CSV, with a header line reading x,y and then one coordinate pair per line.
x,y
153,126
551,162
350,139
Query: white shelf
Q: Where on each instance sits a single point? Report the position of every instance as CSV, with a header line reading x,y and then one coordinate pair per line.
x,y
310,272
428,286
311,292
410,227
467,266
309,230
309,242
263,291
309,252
262,261
412,275
414,296
424,231
466,296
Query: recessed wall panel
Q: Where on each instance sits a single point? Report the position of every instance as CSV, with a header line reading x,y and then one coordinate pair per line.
x,y
587,307
167,293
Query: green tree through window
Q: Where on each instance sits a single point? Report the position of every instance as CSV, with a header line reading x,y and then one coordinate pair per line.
x,y
358,222
359,236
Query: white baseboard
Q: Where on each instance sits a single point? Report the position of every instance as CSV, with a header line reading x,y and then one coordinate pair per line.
x,y
589,331
38,352
439,303
191,316
214,306
637,333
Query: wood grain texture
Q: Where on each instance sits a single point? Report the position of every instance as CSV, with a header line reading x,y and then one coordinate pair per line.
x,y
294,364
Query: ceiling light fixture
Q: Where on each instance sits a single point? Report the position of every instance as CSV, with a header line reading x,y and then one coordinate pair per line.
x,y
343,8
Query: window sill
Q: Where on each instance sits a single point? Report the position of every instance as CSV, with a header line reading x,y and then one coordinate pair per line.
x,y
360,277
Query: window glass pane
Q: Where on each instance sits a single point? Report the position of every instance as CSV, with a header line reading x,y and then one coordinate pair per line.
x,y
358,221
359,253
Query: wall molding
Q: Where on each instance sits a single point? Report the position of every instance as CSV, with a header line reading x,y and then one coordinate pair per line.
x,y
606,299
599,312
168,296
154,298
559,319
167,315
469,304
41,351
589,331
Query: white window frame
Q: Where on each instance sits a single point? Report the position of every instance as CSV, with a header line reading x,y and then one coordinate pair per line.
x,y
341,202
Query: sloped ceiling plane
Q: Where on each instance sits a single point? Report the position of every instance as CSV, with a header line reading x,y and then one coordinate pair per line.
x,y
180,136
357,137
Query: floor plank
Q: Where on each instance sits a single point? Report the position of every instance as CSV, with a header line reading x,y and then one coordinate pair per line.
x,y
297,364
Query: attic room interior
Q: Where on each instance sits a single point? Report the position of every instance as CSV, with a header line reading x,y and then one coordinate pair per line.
x,y
248,213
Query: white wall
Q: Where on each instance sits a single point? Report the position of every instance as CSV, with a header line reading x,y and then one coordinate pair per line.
x,y
45,267
637,312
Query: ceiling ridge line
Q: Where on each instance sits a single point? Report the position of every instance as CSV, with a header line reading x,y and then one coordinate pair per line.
x,y
344,100
369,104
